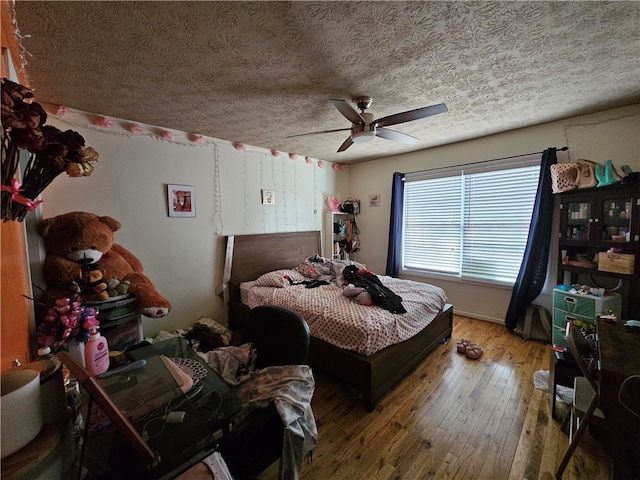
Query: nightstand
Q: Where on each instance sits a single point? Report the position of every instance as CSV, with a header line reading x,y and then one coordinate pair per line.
x,y
562,370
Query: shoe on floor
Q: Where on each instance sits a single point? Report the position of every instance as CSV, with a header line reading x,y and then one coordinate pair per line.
x,y
473,351
462,345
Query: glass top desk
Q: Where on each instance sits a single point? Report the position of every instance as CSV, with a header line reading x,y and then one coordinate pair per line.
x,y
619,360
146,396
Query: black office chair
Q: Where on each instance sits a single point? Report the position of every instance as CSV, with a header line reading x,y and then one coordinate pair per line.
x,y
281,337
584,407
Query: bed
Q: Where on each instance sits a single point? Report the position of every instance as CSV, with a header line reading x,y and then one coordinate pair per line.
x,y
248,257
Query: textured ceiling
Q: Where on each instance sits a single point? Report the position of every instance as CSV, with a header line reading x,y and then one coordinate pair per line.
x,y
255,72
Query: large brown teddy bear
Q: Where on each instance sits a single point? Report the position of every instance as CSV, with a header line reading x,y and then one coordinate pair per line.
x,y
78,239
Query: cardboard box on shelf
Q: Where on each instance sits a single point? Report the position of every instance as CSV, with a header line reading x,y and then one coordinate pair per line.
x,y
616,262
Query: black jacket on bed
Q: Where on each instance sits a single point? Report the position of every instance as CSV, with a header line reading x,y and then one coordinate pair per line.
x,y
380,294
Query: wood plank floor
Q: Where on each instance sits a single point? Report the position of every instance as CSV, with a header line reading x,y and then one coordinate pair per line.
x,y
451,418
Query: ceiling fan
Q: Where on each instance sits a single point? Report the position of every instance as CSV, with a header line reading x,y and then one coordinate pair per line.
x,y
364,128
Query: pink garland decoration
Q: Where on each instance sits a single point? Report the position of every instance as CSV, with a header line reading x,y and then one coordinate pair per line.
x,y
136,128
307,159
275,153
293,156
62,111
335,167
239,146
343,166
103,122
197,139
320,164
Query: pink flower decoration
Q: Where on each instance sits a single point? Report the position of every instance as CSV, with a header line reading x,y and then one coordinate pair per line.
x,y
293,156
343,166
307,159
167,135
136,128
333,203
104,122
62,111
197,139
239,146
335,167
275,153
320,164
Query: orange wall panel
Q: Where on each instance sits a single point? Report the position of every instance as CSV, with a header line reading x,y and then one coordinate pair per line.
x,y
15,308
14,285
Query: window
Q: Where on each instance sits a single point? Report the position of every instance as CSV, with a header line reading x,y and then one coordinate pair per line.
x,y
472,221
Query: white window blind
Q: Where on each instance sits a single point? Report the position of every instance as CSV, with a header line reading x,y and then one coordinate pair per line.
x,y
471,222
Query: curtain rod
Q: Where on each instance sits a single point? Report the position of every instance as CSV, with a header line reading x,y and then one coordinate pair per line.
x,y
561,149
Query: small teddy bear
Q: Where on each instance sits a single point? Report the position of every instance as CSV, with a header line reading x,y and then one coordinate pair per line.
x,y
94,288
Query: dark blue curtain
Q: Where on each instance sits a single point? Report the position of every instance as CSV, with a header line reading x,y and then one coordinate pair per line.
x,y
395,225
533,270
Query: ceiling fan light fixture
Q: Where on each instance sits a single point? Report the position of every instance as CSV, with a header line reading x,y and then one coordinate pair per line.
x,y
364,128
363,137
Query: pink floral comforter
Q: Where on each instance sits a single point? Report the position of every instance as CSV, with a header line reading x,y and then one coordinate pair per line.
x,y
336,319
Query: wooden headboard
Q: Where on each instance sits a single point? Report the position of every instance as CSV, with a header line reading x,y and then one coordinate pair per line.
x,y
249,256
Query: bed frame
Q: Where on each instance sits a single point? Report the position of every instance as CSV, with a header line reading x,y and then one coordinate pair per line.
x,y
249,256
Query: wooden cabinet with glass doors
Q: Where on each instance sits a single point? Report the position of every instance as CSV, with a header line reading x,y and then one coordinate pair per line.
x,y
599,241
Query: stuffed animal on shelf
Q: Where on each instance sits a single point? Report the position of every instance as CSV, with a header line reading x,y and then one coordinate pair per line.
x,y
93,285
76,240
115,287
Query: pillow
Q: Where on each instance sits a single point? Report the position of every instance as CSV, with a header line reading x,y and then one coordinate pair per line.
x,y
306,270
276,279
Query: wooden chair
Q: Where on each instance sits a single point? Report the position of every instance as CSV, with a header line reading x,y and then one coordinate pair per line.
x,y
584,408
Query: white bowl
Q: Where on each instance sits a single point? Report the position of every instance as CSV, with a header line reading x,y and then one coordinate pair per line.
x,y
21,409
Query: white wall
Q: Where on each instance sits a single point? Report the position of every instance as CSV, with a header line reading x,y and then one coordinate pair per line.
x,y
613,134
184,256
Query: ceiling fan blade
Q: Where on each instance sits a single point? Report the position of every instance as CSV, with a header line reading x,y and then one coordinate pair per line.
x,y
317,133
348,111
410,115
396,136
347,143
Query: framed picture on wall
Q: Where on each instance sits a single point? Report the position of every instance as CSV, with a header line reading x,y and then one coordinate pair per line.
x,y
181,200
268,197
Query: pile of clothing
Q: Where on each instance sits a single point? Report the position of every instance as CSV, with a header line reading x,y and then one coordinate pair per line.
x,y
289,387
358,283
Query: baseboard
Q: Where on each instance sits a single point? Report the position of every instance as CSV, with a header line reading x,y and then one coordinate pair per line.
x,y
478,317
